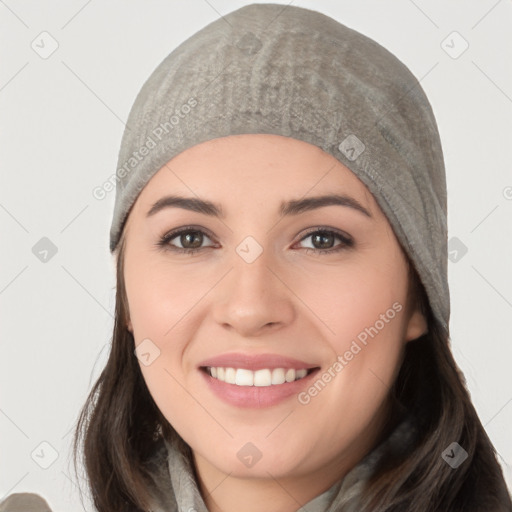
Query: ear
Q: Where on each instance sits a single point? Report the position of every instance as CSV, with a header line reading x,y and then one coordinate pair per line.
x,y
129,326
417,325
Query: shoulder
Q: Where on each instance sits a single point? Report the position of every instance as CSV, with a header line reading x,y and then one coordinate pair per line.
x,y
24,502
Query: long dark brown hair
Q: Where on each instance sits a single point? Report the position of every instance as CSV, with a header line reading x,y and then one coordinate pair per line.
x,y
120,424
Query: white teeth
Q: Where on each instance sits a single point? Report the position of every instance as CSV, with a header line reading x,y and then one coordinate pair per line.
x,y
243,377
301,373
230,376
278,376
290,375
262,378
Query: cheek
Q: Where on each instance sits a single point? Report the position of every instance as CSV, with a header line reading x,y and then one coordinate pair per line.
x,y
159,297
364,307
161,305
362,320
356,296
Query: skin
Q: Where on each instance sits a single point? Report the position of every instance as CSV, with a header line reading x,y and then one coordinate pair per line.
x,y
306,305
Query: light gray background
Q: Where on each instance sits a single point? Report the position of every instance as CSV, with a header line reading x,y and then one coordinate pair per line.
x,y
62,121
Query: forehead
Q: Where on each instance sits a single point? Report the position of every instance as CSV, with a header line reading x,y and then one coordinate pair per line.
x,y
256,166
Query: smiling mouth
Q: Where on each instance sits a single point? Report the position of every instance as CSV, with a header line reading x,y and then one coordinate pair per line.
x,y
264,377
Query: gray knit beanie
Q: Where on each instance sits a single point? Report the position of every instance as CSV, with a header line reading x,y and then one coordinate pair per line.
x,y
291,71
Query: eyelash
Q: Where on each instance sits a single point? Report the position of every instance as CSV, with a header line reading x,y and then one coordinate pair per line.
x,y
164,242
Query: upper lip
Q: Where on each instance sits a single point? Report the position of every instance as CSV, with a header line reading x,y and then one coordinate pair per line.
x,y
255,361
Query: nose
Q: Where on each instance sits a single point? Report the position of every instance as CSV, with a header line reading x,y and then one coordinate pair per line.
x,y
254,298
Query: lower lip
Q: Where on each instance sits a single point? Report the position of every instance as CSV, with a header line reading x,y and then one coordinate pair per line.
x,y
256,397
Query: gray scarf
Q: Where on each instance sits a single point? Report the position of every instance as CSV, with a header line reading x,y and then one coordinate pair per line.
x,y
176,489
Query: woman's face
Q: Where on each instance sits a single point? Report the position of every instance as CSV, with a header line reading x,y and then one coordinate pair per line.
x,y
279,281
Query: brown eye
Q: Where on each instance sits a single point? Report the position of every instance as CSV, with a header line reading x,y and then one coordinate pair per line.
x,y
187,241
191,239
324,241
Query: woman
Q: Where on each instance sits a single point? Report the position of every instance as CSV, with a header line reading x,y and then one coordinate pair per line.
x,y
281,339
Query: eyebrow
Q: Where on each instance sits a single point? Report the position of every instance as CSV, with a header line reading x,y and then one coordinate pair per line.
x,y
292,207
